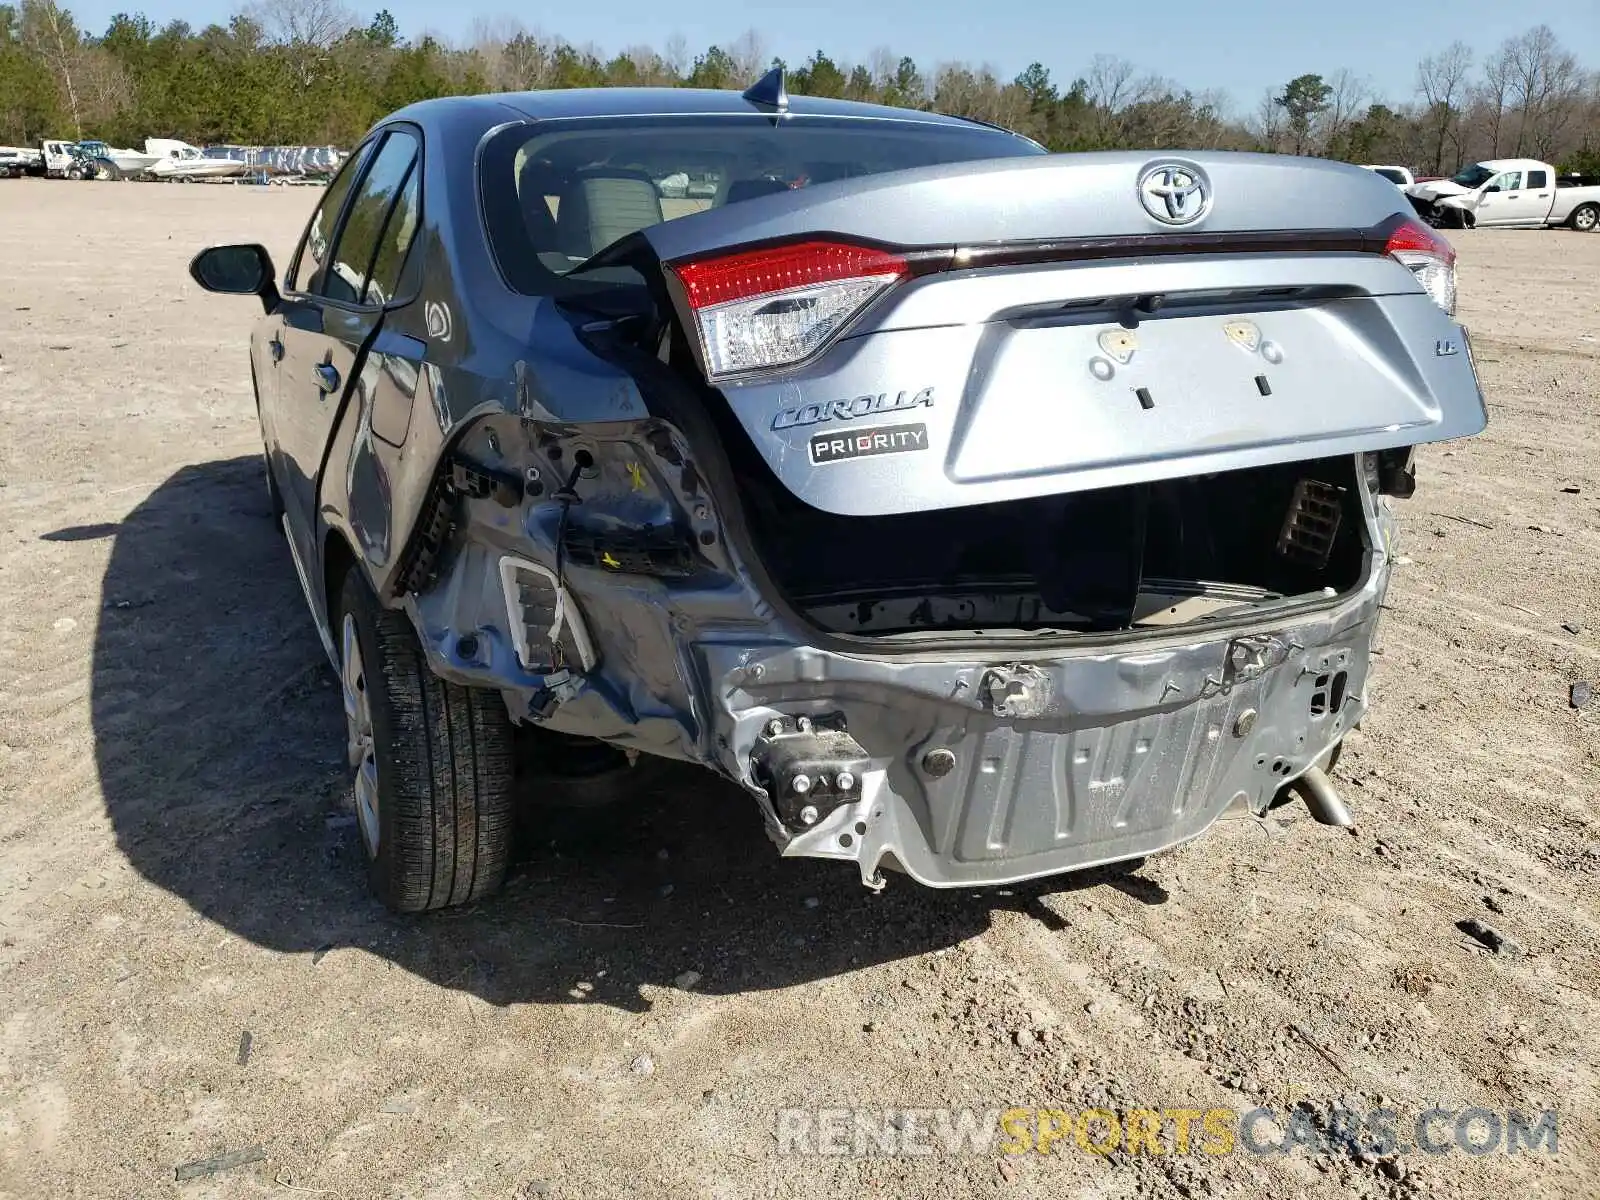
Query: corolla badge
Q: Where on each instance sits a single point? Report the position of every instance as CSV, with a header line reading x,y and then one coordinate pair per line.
x,y
1174,193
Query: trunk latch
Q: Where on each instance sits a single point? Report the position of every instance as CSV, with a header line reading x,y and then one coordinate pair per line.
x,y
1015,692
1248,658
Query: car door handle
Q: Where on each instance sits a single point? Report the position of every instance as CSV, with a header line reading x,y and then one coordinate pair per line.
x,y
328,378
1544,195
276,348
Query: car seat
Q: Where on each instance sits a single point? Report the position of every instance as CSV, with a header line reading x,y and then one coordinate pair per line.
x,y
599,205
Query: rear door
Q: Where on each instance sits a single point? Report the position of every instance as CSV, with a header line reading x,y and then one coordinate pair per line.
x,y
344,276
1540,192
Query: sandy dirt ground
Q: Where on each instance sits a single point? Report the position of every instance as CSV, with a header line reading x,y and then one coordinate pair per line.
x,y
178,866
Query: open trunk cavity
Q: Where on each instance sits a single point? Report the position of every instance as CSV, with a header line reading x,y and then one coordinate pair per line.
x,y
1144,555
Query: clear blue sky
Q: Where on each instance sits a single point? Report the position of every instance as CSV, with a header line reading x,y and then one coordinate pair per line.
x,y
1241,46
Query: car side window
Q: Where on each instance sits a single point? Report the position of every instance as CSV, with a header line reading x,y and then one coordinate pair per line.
x,y
1537,179
399,232
357,243
313,251
1508,181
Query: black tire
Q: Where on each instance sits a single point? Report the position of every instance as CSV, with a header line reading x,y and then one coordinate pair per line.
x,y
1585,218
561,770
445,766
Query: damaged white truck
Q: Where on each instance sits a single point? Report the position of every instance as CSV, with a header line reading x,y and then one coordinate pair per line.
x,y
1510,193
983,513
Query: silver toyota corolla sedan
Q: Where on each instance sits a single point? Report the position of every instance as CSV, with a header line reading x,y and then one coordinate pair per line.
x,y
984,513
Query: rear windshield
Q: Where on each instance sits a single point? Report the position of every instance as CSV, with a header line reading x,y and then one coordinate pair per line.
x,y
555,195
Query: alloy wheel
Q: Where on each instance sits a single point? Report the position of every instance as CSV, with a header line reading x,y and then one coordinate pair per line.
x,y
358,734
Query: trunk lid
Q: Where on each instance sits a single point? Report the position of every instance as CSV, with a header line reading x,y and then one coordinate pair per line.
x,y
1034,361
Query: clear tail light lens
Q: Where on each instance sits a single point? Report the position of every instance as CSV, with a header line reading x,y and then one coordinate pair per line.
x,y
758,310
1431,259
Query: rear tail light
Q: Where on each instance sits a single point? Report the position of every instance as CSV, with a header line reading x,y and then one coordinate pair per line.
x,y
758,310
1431,258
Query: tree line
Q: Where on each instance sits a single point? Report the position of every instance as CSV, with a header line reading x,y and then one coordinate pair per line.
x,y
309,72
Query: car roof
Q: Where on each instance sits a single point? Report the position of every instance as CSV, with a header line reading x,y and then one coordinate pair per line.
x,y
650,102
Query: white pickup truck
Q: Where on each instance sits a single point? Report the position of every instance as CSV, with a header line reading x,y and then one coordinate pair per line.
x,y
1508,192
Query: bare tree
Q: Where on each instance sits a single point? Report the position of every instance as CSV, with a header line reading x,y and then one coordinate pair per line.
x,y
1442,84
882,63
1494,95
676,55
1545,84
318,23
530,59
103,85
1348,97
1110,82
48,31
1267,124
654,71
1210,129
749,54
491,39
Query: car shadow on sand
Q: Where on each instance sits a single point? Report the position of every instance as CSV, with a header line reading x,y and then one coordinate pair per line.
x,y
219,742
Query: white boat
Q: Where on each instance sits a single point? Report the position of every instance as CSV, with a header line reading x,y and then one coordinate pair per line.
x,y
181,162
131,162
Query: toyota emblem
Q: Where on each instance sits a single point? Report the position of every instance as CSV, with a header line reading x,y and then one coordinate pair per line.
x,y
1174,193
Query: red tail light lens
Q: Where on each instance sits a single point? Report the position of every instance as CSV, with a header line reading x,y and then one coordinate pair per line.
x,y
758,310
779,268
1430,257
1413,235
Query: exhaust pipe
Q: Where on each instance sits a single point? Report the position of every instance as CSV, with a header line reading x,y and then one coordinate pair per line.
x,y
1316,789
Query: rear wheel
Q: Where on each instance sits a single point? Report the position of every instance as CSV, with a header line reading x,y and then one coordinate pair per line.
x,y
433,763
1585,218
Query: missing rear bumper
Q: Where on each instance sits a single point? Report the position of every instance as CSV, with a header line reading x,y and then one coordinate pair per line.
x,y
1128,753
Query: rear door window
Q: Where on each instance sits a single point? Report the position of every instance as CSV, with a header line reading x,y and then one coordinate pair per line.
x,y
399,231
306,275
1537,179
356,247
